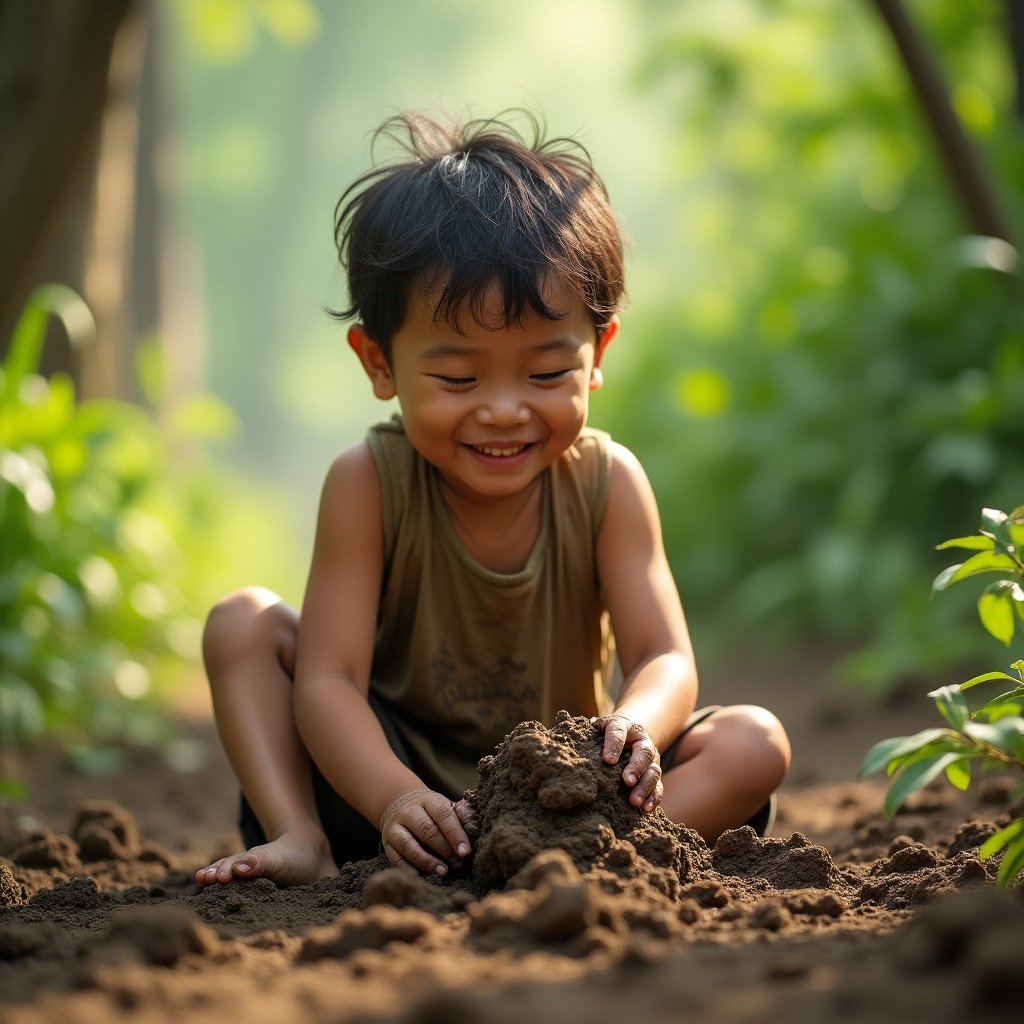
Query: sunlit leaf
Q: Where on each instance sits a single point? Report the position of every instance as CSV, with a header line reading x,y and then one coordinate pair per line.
x,y
27,340
986,677
1011,841
1008,706
995,609
951,705
916,776
998,840
1013,863
1017,537
975,542
992,519
984,561
1005,733
886,750
959,773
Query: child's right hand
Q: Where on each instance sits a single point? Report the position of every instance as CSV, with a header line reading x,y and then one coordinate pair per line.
x,y
422,826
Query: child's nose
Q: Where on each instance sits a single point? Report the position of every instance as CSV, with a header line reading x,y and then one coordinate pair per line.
x,y
503,409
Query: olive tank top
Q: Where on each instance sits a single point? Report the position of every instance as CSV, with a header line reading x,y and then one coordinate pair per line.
x,y
463,654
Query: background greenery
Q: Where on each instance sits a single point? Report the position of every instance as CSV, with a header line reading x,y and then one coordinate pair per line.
x,y
821,368
822,372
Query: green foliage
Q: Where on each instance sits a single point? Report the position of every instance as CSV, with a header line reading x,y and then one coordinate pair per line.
x,y
999,547
992,736
841,369
97,605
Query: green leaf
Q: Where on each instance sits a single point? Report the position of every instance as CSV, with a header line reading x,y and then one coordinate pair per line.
x,y
1010,839
29,332
944,578
1017,537
959,773
995,609
996,842
995,705
1005,733
915,776
984,561
976,542
951,705
1013,863
986,677
995,522
887,750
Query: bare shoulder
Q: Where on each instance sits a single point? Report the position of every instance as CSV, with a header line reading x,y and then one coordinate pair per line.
x,y
350,501
631,500
353,475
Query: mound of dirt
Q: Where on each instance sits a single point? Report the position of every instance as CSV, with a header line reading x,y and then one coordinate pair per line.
x,y
547,789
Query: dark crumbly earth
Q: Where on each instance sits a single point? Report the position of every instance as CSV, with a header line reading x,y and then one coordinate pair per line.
x,y
576,907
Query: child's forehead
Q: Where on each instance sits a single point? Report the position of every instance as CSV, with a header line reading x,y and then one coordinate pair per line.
x,y
491,307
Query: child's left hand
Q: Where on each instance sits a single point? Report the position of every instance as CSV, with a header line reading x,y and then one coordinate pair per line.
x,y
643,771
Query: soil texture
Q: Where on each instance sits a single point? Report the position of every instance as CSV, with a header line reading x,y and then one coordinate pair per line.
x,y
576,907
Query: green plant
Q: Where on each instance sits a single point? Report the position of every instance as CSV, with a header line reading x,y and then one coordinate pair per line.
x,y
95,614
992,736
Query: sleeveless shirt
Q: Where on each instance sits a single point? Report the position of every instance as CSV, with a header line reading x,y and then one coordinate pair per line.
x,y
463,654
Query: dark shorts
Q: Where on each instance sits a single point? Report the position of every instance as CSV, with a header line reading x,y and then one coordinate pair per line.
x,y
352,837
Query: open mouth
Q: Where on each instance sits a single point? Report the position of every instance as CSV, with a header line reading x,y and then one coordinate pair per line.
x,y
499,451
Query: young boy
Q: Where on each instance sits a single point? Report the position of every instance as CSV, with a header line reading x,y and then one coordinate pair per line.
x,y
471,554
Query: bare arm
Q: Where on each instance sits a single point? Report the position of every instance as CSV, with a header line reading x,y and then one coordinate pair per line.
x,y
332,672
660,678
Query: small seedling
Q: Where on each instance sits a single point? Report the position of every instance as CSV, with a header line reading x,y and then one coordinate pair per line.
x,y
992,736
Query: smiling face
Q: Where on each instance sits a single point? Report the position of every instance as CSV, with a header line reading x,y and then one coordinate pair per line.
x,y
490,406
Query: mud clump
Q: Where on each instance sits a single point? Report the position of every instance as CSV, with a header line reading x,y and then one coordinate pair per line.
x,y
12,892
105,831
549,789
793,863
44,848
157,935
915,876
372,928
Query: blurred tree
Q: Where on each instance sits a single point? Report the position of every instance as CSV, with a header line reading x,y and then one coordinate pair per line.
x,y
969,178
77,192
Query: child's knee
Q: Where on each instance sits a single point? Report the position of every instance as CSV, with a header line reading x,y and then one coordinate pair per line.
x,y
249,621
757,747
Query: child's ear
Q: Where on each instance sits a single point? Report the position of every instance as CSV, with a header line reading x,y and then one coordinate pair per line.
x,y
375,363
604,339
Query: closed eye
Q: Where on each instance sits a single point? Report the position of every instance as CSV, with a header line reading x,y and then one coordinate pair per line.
x,y
454,382
546,378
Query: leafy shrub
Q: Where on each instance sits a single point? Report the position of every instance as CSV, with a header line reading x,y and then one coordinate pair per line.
x,y
97,600
993,735
840,370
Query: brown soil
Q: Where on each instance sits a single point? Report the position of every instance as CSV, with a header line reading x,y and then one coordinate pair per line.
x,y
576,908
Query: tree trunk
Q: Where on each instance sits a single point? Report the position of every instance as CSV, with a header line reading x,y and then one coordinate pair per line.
x,y
969,179
55,62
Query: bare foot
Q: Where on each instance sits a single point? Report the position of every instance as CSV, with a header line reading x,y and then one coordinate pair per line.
x,y
291,859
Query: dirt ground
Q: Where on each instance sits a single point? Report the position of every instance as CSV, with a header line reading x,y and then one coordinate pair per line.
x,y
576,909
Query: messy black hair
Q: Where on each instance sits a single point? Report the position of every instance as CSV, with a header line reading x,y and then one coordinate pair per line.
x,y
473,208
